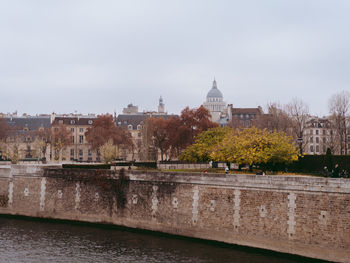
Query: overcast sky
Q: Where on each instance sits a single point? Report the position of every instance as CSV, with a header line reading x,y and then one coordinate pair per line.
x,y
98,56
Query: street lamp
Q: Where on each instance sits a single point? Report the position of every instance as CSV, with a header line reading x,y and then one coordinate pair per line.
x,y
300,142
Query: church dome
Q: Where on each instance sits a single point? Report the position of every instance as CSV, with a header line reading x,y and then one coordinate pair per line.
x,y
214,92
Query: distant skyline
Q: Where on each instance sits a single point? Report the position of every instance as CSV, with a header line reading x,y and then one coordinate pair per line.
x,y
98,56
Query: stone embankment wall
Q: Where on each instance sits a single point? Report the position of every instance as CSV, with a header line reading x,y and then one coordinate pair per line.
x,y
293,214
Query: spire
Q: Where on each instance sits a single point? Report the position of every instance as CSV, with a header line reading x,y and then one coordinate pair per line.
x,y
214,84
161,106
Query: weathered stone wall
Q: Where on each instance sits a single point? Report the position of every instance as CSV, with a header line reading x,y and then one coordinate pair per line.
x,y
300,215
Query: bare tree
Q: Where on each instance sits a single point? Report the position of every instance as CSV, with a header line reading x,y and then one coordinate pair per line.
x,y
276,119
298,112
339,109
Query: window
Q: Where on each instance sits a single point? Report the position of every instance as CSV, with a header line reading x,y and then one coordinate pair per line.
x,y
311,148
139,127
324,132
317,148
72,122
311,132
90,122
81,138
324,140
81,152
317,140
89,152
311,139
71,152
60,121
317,132
81,129
130,127
72,139
72,129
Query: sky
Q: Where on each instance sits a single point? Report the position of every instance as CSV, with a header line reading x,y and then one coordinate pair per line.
x,y
98,56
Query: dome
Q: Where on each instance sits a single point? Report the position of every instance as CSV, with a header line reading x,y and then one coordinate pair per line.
x,y
214,92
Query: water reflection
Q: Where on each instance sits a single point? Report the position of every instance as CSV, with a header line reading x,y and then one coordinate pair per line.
x,y
33,241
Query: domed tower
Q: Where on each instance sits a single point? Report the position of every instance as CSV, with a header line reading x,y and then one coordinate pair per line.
x,y
215,103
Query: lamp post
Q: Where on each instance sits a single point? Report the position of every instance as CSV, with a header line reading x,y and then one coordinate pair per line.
x,y
300,142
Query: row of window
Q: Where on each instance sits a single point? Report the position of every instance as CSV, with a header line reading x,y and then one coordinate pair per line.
x,y
130,127
73,122
244,116
80,129
324,132
81,139
317,148
80,152
317,139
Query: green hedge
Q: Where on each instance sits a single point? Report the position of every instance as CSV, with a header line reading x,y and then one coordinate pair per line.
x,y
138,164
86,166
315,163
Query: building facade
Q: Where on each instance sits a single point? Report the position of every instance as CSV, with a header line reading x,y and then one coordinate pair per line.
x,y
22,142
78,149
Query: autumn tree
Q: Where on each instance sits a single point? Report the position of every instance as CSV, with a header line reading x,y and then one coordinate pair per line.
x,y
178,136
159,134
205,144
60,139
339,108
255,146
109,151
196,121
4,128
104,130
43,140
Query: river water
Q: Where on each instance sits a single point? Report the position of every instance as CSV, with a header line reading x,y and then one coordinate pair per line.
x,y
36,241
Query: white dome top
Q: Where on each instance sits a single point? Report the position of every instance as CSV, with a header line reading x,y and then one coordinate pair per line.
x,y
214,92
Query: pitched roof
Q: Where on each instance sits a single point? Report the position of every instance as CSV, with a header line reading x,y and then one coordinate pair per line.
x,y
124,120
74,120
253,111
32,123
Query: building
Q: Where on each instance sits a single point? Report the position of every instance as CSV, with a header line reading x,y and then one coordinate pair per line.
x,y
78,149
226,114
215,103
134,121
319,136
22,141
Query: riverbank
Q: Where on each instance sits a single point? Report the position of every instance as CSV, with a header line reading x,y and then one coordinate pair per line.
x,y
307,216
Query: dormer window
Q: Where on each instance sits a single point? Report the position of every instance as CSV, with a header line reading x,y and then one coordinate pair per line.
x,y
139,127
130,127
90,122
72,122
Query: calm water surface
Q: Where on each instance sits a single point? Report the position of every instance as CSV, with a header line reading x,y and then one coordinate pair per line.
x,y
33,241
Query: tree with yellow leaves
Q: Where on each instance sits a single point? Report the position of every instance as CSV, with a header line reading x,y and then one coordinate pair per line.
x,y
255,146
248,146
206,143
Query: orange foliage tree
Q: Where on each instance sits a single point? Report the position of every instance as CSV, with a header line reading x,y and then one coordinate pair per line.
x,y
104,130
171,136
